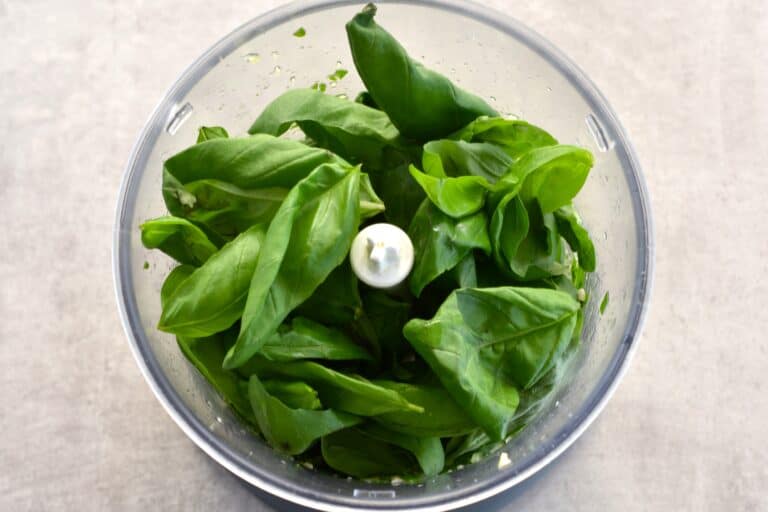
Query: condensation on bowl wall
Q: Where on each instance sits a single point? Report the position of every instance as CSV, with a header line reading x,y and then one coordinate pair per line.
x,y
485,52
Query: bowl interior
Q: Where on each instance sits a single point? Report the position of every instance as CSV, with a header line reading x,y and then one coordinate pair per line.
x,y
483,52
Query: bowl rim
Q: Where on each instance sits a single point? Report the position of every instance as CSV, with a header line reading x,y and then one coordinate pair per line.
x,y
218,450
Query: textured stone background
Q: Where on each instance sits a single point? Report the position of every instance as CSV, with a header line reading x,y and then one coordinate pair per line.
x,y
80,429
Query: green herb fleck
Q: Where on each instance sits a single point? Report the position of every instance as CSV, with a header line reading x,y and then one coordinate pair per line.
x,y
604,303
319,86
337,75
300,32
146,265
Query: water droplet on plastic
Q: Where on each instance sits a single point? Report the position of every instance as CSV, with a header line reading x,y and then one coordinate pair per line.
x,y
218,418
253,58
605,235
276,70
549,89
275,54
338,64
333,84
342,96
493,98
291,81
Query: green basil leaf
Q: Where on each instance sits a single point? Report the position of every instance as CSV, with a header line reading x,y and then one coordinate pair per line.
x,y
442,416
541,253
309,237
212,298
205,133
179,239
173,280
459,158
259,161
352,130
309,340
294,394
386,317
400,193
336,301
228,209
370,203
366,99
554,174
456,197
483,342
440,242
459,447
570,227
337,390
207,354
428,451
513,136
509,227
290,430
357,454
422,103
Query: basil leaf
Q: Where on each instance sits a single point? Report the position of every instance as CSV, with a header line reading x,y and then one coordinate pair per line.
x,y
212,298
400,193
513,136
309,340
294,394
422,103
483,342
554,174
351,130
228,209
173,280
259,161
309,237
366,99
442,416
541,253
337,390
207,354
357,454
441,242
509,227
370,203
179,239
336,301
290,430
386,317
456,197
205,133
459,158
570,227
428,451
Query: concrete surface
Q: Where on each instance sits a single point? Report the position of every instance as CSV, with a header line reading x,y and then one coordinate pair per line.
x,y
79,428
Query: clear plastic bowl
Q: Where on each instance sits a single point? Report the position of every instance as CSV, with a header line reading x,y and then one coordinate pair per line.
x,y
483,51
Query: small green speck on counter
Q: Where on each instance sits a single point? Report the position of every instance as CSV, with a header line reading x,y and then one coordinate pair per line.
x,y
300,32
146,265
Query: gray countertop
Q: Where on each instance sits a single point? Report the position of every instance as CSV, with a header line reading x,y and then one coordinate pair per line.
x,y
686,430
